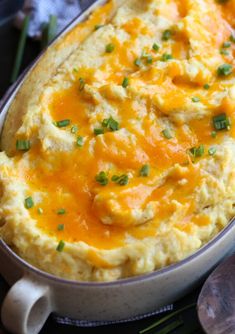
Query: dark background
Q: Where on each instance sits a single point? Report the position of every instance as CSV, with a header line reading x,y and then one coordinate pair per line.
x,y
9,37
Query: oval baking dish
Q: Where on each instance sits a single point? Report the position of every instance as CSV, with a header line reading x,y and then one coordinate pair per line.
x,y
34,293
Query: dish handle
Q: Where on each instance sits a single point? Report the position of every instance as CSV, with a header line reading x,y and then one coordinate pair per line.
x,y
26,306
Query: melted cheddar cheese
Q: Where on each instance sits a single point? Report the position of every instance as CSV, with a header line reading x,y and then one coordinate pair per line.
x,y
127,162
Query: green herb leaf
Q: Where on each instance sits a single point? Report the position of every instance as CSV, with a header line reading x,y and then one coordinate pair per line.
x,y
224,52
109,48
206,86
232,38
40,211
60,227
167,134
197,151
23,145
224,70
82,84
166,35
221,122
125,82
102,178
110,124
63,123
137,62
213,134
60,246
226,44
166,57
149,59
74,129
121,180
98,131
28,202
196,99
212,150
98,26
145,170
79,141
61,211
156,47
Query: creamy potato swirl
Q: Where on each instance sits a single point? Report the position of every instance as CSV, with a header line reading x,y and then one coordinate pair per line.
x,y
126,164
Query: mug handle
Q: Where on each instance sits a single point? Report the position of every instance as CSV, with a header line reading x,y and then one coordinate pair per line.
x,y
26,306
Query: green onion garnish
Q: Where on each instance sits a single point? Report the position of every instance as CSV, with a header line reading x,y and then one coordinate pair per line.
x,y
98,131
137,62
81,84
60,246
23,145
156,47
224,52
102,178
167,134
232,38
98,26
125,82
121,180
212,150
145,170
221,122
40,211
166,35
74,129
226,44
63,123
166,57
61,211
196,99
213,134
197,151
60,227
75,69
79,141
110,48
28,202
224,70
206,86
111,124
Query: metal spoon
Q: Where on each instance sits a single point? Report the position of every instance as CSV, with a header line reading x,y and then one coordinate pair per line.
x,y
216,302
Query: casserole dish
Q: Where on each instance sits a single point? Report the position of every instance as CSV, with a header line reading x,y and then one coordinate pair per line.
x,y
36,294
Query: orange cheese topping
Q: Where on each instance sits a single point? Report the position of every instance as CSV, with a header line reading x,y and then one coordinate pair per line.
x,y
161,94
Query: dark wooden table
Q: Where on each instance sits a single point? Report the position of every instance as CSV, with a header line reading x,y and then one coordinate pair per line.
x,y
8,43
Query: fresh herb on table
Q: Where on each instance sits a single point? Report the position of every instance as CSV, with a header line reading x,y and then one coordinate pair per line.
x,y
49,31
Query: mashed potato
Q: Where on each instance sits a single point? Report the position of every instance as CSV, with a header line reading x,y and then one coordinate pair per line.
x,y
124,161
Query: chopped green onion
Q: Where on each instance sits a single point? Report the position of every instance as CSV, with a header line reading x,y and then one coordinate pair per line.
x,y
166,56
111,124
221,122
167,134
74,129
166,35
75,69
23,145
206,86
63,123
102,178
121,180
226,44
40,211
28,202
224,52
81,84
149,60
60,246
156,47
79,141
197,151
212,150
213,134
125,82
110,48
98,131
145,170
232,38
137,62
98,26
61,211
60,227
196,99
224,70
